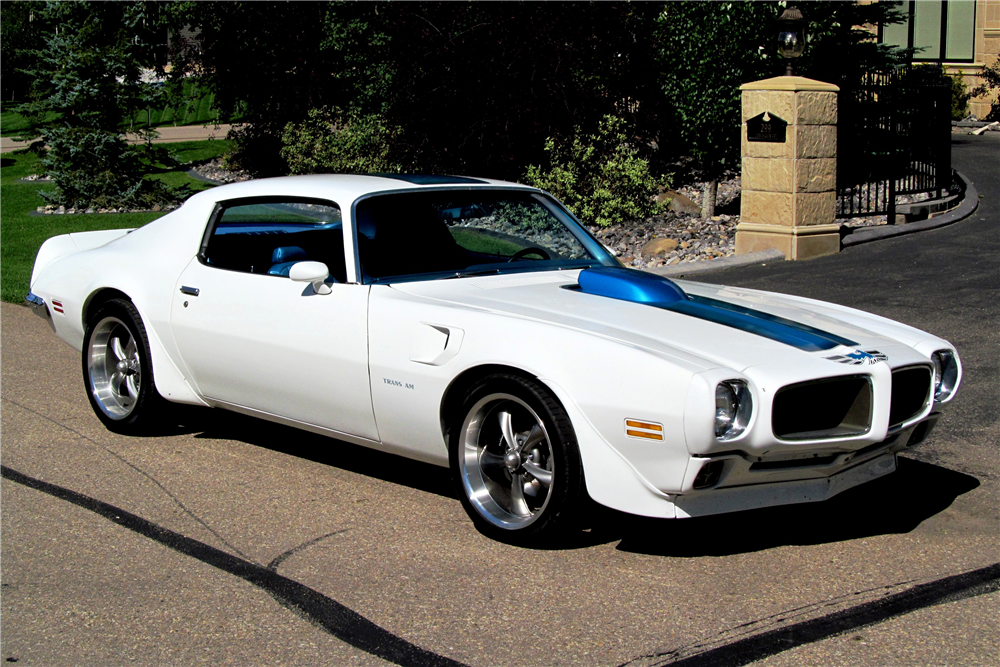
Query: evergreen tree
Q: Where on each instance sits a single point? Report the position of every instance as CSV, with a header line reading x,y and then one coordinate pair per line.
x,y
89,76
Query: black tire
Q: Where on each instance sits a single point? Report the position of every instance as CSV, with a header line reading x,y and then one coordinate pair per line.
x,y
117,369
488,472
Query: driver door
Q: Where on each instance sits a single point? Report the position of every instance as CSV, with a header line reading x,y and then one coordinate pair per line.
x,y
250,337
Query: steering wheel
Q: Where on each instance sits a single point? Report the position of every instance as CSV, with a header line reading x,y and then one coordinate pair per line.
x,y
523,252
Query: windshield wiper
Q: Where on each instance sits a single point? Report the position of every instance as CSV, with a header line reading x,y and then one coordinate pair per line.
x,y
466,274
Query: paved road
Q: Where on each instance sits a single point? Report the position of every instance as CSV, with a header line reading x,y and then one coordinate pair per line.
x,y
168,135
232,541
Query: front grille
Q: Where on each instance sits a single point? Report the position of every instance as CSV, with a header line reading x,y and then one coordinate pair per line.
x,y
830,408
911,389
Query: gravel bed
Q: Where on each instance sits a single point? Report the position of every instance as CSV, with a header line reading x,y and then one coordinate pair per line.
x,y
49,209
674,238
214,171
669,239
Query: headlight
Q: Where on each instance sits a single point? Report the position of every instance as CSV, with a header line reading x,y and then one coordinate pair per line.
x,y
733,407
945,375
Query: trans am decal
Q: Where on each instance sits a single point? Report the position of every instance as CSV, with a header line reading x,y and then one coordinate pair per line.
x,y
859,358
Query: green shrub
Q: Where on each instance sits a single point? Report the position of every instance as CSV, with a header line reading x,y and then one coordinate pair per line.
x,y
601,178
959,98
329,141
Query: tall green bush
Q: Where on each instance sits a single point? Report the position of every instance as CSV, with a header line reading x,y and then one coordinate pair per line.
x,y
960,96
328,141
601,178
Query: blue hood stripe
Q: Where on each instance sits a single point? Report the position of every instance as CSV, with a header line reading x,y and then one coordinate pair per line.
x,y
652,290
770,326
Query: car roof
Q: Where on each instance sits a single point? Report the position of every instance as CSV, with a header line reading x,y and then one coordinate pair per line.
x,y
345,188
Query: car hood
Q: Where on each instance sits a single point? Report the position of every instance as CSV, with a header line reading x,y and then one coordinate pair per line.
x,y
554,297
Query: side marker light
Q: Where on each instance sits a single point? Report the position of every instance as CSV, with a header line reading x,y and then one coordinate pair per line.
x,y
635,428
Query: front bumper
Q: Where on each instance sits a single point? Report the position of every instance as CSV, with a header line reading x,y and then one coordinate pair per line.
x,y
40,308
747,482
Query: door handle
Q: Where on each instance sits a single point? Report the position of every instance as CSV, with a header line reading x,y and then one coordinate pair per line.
x,y
193,291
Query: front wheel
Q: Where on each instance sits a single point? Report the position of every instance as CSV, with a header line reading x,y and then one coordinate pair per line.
x,y
117,371
515,461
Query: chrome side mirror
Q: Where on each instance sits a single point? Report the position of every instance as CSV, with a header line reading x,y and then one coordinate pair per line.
x,y
311,272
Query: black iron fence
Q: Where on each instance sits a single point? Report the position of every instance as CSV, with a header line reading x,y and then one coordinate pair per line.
x,y
893,138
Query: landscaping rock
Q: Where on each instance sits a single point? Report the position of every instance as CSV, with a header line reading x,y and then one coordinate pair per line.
x,y
681,204
658,247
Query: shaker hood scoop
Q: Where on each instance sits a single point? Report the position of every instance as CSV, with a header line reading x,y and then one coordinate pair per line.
x,y
659,292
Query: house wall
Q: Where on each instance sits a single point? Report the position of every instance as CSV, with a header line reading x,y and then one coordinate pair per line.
x,y
986,49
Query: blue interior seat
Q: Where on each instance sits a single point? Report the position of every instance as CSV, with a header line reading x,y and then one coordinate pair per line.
x,y
284,257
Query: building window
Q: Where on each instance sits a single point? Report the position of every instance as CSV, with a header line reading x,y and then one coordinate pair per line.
x,y
937,30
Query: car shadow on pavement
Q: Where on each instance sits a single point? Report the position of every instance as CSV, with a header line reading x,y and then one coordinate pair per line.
x,y
894,504
225,425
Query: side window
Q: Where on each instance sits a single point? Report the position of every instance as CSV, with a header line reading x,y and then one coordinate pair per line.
x,y
267,236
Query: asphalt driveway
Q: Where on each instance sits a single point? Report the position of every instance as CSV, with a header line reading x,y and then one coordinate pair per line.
x,y
227,540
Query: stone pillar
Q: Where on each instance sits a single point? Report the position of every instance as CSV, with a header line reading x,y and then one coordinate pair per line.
x,y
789,197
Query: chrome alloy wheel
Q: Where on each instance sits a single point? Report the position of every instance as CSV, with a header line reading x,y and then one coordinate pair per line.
x,y
114,368
505,461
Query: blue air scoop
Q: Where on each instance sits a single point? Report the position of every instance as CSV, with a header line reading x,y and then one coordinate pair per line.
x,y
659,292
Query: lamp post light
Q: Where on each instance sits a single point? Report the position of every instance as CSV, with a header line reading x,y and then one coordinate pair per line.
x,y
791,36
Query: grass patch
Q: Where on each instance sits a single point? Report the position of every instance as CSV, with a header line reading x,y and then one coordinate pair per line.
x,y
12,123
198,151
21,233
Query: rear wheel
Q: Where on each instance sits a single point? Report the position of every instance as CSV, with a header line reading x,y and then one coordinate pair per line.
x,y
515,461
117,370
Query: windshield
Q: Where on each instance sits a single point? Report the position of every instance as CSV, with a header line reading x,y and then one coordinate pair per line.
x,y
436,234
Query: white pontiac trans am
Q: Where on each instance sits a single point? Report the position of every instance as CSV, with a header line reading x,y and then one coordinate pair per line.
x,y
476,324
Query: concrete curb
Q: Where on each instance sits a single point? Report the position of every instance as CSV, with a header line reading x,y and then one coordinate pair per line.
x,y
695,268
968,206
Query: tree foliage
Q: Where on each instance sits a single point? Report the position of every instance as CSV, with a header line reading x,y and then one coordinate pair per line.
x,y
88,77
274,62
706,52
446,87
18,40
478,87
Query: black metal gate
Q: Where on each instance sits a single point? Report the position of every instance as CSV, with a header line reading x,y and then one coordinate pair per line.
x,y
893,138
